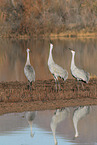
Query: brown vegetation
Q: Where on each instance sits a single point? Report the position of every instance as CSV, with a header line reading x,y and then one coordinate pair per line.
x,y
47,16
15,97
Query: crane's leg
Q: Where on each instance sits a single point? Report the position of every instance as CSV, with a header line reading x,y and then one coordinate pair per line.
x,y
78,85
55,78
59,84
82,85
56,84
28,85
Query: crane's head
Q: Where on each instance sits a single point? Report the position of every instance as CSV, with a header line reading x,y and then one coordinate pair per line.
x,y
28,49
72,51
51,46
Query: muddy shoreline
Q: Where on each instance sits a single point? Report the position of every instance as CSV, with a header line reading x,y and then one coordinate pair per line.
x,y
15,97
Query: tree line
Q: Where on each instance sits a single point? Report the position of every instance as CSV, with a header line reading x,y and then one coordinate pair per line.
x,y
36,17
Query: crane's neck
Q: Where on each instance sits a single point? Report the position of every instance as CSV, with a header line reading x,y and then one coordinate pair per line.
x,y
75,122
28,59
53,128
50,59
76,131
72,60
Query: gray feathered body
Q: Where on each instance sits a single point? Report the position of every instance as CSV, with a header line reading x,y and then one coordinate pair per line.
x,y
55,69
58,71
29,72
79,74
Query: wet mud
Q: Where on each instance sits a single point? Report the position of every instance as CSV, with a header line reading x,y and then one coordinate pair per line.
x,y
15,96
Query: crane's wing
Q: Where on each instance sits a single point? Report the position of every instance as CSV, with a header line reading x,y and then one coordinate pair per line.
x,y
58,71
80,74
29,72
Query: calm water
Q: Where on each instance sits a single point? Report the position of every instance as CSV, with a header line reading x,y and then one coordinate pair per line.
x,y
15,128
53,126
13,57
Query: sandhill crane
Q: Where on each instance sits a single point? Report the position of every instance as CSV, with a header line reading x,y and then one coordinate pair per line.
x,y
56,70
30,116
58,116
29,70
79,74
78,114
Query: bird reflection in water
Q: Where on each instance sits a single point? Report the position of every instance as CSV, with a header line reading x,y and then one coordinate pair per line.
x,y
58,116
30,116
79,113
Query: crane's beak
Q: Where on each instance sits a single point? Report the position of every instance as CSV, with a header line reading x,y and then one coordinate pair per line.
x,y
70,49
29,49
